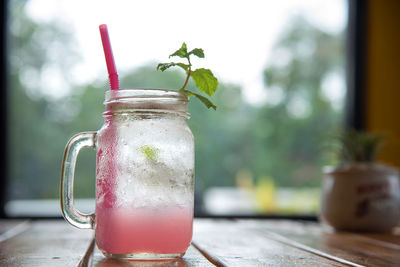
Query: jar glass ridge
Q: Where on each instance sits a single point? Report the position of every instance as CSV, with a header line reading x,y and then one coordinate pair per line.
x,y
146,100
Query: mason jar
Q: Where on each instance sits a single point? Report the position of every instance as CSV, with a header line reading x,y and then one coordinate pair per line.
x,y
144,175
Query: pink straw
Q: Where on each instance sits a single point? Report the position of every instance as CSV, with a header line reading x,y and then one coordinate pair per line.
x,y
112,70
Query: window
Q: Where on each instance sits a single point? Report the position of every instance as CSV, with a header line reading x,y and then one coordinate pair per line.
x,y
282,74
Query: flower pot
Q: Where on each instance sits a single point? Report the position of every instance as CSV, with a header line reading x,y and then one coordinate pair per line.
x,y
361,197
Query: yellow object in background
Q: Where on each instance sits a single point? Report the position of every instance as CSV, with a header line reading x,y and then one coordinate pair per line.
x,y
383,75
265,195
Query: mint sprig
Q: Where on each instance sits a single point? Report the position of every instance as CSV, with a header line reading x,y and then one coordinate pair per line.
x,y
203,78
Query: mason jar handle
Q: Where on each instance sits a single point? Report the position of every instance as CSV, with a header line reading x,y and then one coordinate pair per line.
x,y
72,215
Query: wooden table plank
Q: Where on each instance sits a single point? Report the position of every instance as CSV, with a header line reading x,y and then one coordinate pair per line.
x,y
387,238
230,244
223,242
6,225
11,228
45,243
56,243
355,247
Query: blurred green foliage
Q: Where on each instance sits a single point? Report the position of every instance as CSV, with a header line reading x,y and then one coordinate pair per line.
x,y
268,140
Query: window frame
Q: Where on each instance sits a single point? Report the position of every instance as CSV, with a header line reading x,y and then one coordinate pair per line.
x,y
356,51
3,106
356,33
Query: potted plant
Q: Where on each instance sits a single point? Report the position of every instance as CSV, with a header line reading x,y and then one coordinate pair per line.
x,y
361,194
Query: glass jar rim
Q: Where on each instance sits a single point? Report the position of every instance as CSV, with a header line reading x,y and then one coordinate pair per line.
x,y
144,93
146,101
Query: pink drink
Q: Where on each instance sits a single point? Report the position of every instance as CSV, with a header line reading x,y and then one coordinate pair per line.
x,y
144,230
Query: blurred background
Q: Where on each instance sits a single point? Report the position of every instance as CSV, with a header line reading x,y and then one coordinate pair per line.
x,y
281,99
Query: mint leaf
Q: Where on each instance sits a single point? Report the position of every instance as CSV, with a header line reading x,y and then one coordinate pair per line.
x,y
203,99
151,153
205,80
181,52
164,66
183,66
197,52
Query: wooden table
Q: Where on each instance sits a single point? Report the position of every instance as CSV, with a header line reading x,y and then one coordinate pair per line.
x,y
219,242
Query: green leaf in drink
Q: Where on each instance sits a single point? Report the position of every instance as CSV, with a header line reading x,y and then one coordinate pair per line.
x,y
151,153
